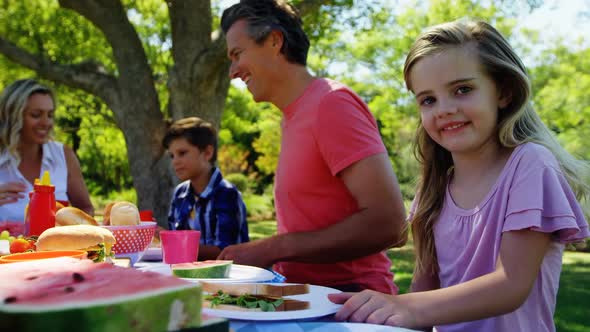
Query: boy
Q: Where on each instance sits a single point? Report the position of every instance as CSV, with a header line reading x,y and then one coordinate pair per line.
x,y
204,201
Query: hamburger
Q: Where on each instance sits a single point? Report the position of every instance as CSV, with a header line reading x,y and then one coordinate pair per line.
x,y
95,240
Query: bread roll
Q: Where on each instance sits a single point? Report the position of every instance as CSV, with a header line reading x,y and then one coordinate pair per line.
x,y
73,216
74,237
106,216
124,214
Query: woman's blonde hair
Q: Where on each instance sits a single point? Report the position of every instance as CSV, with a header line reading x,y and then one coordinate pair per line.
x,y
13,102
518,123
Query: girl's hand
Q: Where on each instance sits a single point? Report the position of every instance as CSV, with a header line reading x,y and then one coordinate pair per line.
x,y
10,192
375,308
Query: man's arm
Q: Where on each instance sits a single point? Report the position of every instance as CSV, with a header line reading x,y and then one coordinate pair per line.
x,y
378,225
207,252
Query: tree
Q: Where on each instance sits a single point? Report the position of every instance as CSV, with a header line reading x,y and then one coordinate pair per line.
x,y
128,55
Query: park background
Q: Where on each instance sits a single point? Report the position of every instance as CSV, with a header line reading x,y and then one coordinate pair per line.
x,y
123,69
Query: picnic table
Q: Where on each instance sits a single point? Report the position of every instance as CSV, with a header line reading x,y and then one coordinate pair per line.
x,y
314,324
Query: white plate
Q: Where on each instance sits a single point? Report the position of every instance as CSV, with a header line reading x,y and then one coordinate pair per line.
x,y
237,273
152,254
319,306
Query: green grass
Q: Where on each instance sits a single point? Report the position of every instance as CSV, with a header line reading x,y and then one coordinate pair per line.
x,y
573,299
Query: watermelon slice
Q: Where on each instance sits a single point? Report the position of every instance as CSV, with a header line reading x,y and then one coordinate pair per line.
x,y
204,270
65,293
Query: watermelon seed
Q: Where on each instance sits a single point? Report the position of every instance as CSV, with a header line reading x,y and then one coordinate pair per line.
x,y
32,277
10,299
69,289
77,277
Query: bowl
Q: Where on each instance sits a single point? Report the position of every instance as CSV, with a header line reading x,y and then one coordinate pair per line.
x,y
132,241
34,255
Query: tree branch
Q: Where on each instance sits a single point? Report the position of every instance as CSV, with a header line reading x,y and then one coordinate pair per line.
x,y
110,17
87,76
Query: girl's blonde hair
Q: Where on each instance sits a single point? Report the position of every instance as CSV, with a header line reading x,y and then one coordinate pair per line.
x,y
518,123
13,102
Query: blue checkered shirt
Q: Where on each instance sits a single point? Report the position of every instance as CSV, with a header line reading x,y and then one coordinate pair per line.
x,y
218,212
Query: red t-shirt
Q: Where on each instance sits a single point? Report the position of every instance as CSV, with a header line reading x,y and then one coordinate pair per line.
x,y
325,130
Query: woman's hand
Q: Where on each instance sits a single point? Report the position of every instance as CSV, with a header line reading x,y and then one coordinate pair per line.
x,y
373,307
10,192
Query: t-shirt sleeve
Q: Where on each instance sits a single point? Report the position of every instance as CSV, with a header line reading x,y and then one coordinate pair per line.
x,y
541,199
346,131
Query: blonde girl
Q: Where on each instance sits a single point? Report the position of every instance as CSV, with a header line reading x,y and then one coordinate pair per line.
x,y
497,196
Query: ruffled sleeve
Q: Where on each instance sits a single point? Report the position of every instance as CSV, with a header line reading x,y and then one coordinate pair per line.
x,y
541,200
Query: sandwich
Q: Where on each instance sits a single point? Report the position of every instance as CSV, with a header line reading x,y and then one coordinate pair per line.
x,y
254,296
121,214
73,216
95,240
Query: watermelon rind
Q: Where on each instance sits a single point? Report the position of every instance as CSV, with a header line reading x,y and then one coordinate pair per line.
x,y
202,270
169,309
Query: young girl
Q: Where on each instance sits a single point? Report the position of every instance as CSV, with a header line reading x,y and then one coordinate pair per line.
x,y
497,197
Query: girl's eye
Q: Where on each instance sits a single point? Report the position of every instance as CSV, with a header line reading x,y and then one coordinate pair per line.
x,y
463,90
426,101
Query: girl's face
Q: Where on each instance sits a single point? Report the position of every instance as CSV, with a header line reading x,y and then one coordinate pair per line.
x,y
37,119
457,100
189,161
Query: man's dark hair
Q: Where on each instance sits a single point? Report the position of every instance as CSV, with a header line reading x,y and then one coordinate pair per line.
x,y
197,132
264,16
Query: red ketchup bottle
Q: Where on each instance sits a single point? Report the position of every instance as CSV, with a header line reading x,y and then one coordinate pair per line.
x,y
41,211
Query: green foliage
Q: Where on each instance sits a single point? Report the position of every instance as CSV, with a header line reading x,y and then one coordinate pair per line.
x,y
62,35
260,207
85,124
560,82
573,307
240,181
250,133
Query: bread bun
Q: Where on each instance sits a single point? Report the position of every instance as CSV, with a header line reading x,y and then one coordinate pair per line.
x,y
73,216
124,214
106,216
75,237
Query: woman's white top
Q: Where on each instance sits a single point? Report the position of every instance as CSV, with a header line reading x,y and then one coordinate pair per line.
x,y
54,161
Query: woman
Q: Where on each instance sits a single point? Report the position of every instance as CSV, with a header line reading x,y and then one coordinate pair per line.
x,y
27,150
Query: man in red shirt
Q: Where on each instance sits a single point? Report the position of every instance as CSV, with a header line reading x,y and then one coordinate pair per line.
x,y
337,199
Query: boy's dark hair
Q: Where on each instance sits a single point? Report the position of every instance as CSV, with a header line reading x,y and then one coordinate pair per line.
x,y
196,131
264,16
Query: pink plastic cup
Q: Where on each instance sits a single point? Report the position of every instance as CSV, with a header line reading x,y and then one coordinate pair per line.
x,y
180,246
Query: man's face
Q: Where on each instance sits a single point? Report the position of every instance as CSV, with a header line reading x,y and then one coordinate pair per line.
x,y
255,64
